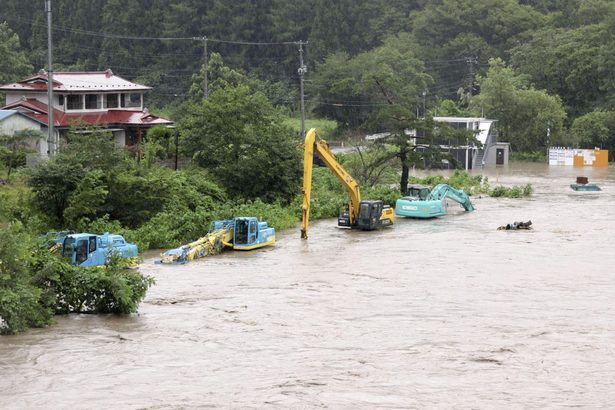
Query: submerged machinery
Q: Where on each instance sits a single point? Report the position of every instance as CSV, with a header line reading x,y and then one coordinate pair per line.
x,y
422,202
242,233
86,249
362,214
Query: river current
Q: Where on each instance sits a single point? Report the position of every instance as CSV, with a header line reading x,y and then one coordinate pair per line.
x,y
443,313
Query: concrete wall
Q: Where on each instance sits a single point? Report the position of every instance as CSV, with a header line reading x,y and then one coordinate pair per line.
x,y
120,138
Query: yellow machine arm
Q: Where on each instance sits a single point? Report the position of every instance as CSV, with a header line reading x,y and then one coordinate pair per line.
x,y
210,244
314,144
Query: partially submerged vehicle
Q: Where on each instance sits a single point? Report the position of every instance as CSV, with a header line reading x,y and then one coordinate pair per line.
x,y
86,249
366,214
241,233
583,184
422,202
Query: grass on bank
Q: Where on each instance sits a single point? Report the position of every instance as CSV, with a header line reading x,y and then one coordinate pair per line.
x,y
323,126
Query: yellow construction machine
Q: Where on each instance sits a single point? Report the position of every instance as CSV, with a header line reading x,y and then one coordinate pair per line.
x,y
361,214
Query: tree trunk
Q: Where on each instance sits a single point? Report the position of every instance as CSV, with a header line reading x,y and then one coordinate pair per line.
x,y
405,170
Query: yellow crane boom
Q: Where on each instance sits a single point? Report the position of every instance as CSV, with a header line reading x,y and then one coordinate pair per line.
x,y
374,212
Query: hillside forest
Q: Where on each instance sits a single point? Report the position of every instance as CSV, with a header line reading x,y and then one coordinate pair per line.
x,y
544,69
534,65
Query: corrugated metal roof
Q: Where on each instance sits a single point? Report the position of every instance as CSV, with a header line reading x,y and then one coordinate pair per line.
x,y
76,82
6,113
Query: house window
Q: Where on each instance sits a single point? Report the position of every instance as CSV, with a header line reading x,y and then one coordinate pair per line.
x,y
74,102
111,100
61,100
131,100
91,102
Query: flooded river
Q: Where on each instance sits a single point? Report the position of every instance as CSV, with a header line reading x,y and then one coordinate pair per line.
x,y
445,313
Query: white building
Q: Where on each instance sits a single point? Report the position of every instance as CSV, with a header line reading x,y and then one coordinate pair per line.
x,y
99,99
472,156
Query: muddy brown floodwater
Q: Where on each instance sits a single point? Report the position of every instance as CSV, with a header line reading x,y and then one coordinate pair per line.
x,y
444,313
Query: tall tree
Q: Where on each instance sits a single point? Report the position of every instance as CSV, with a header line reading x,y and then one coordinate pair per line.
x,y
14,62
376,90
238,136
529,119
595,129
349,89
456,37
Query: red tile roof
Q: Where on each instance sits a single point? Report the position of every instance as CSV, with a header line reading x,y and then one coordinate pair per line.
x,y
76,82
38,111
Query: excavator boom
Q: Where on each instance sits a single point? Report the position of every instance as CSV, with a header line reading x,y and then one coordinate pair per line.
x,y
375,214
321,148
458,195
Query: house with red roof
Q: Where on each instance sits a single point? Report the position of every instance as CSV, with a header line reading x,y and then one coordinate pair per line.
x,y
100,99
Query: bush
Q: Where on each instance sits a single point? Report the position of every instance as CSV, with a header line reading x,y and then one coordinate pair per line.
x,y
512,192
471,184
474,185
110,289
536,156
20,299
35,284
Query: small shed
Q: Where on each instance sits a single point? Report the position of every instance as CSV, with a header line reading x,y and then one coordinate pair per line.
x,y
14,122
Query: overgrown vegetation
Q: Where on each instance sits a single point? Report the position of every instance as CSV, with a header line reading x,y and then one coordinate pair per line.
x,y
536,156
474,185
35,284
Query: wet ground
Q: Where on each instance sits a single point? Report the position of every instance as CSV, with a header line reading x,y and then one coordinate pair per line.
x,y
445,313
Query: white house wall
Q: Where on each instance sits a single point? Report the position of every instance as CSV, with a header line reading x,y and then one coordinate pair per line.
x,y
41,97
17,123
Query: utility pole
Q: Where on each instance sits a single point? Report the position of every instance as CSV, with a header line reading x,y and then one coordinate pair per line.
x,y
302,70
471,61
205,85
424,94
176,132
51,140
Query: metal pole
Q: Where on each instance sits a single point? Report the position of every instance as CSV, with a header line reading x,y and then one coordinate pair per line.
x,y
467,157
302,70
424,94
51,141
176,147
205,85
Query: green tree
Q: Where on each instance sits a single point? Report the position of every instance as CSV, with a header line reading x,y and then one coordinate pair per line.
x,y
239,137
569,63
349,90
14,63
13,149
20,299
378,90
595,129
526,116
219,76
53,182
455,36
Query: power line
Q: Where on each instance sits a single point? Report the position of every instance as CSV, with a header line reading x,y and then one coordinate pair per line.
x,y
152,38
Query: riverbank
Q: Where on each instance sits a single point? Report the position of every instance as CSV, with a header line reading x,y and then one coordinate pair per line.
x,y
440,313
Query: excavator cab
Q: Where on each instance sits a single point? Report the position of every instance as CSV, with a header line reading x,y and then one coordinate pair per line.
x,y
417,192
369,214
373,214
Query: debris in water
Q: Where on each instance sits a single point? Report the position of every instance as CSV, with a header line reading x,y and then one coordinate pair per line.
x,y
516,225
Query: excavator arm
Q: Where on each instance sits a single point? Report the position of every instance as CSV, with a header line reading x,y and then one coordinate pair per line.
x,y
441,191
321,148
